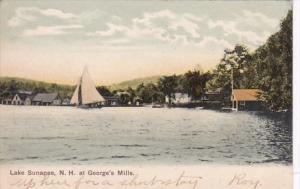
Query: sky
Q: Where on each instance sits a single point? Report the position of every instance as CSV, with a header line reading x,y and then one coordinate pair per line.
x,y
52,40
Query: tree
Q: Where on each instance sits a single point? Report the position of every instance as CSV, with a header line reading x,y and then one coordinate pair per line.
x,y
194,83
131,94
274,67
53,87
238,61
149,93
124,98
167,85
104,91
39,88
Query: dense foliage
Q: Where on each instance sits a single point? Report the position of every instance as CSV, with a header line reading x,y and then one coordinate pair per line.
x,y
268,68
10,86
274,62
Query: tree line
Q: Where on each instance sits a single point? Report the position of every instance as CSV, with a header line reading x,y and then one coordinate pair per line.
x,y
11,86
268,68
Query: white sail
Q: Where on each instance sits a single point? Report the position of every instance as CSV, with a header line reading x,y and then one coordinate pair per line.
x,y
89,92
74,99
86,92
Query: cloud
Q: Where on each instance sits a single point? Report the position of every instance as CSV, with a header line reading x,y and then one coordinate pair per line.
x,y
250,19
112,29
50,30
164,25
57,13
230,28
24,15
149,18
187,25
206,41
255,18
185,29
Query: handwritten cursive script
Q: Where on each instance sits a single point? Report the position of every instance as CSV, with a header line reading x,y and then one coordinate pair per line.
x,y
242,179
82,182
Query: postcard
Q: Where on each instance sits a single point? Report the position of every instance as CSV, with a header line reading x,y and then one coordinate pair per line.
x,y
146,94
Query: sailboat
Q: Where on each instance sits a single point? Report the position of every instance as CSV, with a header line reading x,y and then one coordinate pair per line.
x,y
86,94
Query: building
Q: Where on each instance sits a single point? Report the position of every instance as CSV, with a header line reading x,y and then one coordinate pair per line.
x,y
28,100
213,96
138,101
246,99
111,101
19,99
179,98
66,102
7,100
46,99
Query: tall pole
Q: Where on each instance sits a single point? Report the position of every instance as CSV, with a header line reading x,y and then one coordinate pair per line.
x,y
231,79
232,86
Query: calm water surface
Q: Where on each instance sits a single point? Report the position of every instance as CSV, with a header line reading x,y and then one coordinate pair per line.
x,y
69,135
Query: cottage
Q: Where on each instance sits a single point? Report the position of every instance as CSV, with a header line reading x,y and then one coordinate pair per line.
x,y
46,99
110,101
246,99
19,99
66,102
7,100
213,96
179,98
28,100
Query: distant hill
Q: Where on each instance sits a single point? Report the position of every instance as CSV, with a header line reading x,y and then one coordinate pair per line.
x,y
24,80
29,84
134,82
9,84
8,79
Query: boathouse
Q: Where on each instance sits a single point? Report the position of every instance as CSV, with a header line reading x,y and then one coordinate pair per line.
x,y
246,99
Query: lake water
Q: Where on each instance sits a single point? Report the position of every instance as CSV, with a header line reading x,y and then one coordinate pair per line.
x,y
137,136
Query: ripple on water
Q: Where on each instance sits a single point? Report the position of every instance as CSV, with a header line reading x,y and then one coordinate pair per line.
x,y
199,148
121,157
42,138
132,145
149,155
134,135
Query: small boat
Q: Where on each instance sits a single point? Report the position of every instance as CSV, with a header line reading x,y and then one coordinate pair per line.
x,y
86,94
158,106
226,109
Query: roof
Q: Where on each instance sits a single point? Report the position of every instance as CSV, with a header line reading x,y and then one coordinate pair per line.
x,y
246,94
22,96
10,97
45,97
216,91
110,97
25,92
